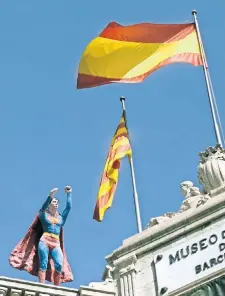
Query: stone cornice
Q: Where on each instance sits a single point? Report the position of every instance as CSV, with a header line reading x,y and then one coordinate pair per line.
x,y
178,225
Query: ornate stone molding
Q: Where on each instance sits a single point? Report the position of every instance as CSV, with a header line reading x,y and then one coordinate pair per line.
x,y
193,198
126,271
126,265
211,170
122,276
160,219
108,273
108,280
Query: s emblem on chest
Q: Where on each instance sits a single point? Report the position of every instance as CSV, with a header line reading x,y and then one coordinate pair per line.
x,y
53,220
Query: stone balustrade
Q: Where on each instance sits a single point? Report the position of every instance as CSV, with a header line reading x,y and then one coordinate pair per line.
x,y
16,287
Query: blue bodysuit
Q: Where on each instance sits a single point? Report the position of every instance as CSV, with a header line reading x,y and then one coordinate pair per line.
x,y
49,241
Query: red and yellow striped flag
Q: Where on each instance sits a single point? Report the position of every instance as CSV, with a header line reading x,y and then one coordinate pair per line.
x,y
120,147
129,54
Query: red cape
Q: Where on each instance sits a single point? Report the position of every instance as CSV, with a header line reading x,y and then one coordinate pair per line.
x,y
25,254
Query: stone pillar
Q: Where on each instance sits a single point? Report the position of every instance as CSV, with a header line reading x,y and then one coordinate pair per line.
x,y
127,276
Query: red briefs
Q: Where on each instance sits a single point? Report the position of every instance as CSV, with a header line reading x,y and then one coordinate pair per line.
x,y
51,242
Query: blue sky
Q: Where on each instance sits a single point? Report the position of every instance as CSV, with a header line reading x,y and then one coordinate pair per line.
x,y
53,135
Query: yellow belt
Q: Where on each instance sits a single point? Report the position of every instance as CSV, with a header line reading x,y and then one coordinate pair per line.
x,y
51,235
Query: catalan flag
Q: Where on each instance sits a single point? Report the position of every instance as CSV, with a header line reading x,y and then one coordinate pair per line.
x,y
128,54
120,147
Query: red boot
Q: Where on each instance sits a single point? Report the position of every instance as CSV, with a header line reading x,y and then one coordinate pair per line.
x,y
57,277
41,276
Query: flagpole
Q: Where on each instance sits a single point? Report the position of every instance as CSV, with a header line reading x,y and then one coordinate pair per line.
x,y
136,201
207,80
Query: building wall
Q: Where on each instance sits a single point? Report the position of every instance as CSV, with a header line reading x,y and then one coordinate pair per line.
x,y
137,262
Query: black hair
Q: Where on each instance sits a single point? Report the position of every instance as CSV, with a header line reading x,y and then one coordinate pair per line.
x,y
56,198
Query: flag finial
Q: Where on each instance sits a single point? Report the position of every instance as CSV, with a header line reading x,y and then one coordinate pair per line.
x,y
122,100
194,12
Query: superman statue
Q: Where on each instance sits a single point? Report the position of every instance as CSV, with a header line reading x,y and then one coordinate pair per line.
x,y
41,252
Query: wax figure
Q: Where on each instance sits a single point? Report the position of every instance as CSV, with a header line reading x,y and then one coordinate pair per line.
x,y
41,252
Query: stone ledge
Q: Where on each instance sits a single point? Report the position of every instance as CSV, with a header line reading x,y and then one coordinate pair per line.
x,y
17,287
88,291
177,226
32,288
197,283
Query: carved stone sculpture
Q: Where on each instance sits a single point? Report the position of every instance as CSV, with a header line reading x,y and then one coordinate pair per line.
x,y
108,273
107,283
211,174
160,219
211,170
193,197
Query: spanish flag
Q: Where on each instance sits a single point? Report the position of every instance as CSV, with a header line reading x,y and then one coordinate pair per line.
x,y
120,147
128,54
